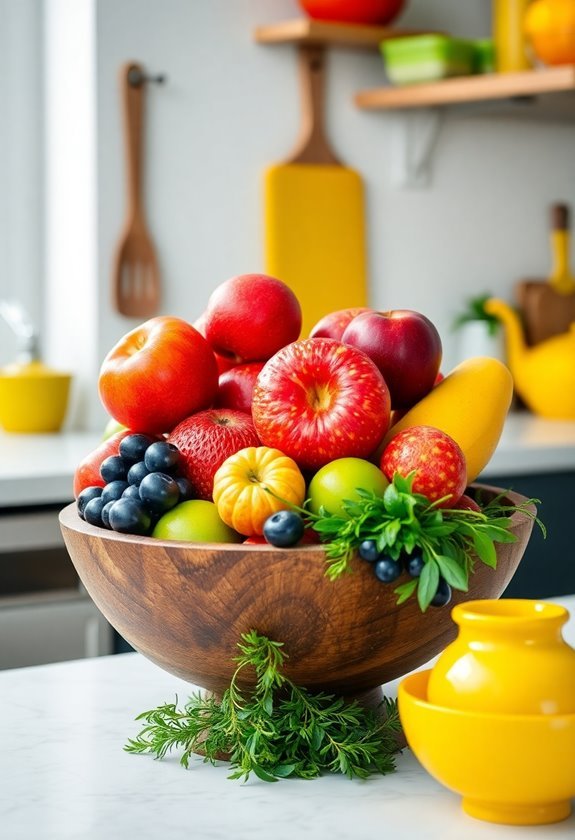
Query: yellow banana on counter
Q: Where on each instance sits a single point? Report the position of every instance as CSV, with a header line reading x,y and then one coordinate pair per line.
x,y
470,405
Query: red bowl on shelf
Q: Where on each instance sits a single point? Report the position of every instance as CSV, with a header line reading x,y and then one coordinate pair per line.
x,y
376,12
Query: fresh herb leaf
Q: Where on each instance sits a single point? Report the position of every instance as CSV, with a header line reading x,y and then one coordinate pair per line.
x,y
278,731
401,521
405,590
428,583
452,571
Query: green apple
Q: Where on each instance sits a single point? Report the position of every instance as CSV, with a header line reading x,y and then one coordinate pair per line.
x,y
195,521
111,427
340,480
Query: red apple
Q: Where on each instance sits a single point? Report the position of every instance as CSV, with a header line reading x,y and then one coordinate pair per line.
x,y
251,317
224,363
236,387
333,324
206,439
406,348
158,374
438,461
317,400
467,503
87,473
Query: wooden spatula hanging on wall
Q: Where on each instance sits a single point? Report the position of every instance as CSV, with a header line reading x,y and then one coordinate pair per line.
x,y
135,277
314,213
548,306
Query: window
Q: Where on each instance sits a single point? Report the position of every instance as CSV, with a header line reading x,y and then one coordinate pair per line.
x,y
21,161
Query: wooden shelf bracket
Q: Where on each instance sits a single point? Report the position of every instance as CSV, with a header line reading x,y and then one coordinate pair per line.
x,y
413,141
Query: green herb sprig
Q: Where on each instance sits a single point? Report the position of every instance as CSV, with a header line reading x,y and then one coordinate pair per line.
x,y
279,730
400,521
475,311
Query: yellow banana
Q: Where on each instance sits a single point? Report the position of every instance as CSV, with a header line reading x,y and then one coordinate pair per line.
x,y
470,405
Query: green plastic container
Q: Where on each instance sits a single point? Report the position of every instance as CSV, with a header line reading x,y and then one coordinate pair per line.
x,y
427,58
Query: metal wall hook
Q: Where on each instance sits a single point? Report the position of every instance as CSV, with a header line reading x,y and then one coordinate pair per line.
x,y
136,77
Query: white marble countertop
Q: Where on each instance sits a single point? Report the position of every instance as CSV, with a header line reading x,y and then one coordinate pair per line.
x,y
531,444
65,775
38,469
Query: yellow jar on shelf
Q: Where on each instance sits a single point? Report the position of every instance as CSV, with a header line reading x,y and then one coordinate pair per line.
x,y
508,35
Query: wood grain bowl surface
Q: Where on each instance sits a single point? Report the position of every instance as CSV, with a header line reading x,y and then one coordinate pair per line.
x,y
184,606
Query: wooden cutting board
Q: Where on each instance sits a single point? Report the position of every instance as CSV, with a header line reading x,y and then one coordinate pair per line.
x,y
548,305
314,213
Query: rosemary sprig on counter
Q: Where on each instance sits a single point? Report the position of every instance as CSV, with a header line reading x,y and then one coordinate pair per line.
x,y
279,730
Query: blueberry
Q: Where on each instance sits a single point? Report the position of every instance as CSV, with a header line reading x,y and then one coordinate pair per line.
x,y
387,570
443,594
185,488
132,491
414,564
159,492
87,494
368,551
93,511
137,472
162,456
113,468
128,516
284,528
113,490
106,513
133,447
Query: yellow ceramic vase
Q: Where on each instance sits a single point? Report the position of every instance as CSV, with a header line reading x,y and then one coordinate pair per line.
x,y
508,658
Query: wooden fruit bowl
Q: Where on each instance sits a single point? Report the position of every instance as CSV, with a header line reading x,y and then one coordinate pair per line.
x,y
184,606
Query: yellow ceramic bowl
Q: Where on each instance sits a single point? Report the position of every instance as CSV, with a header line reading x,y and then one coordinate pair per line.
x,y
33,398
514,769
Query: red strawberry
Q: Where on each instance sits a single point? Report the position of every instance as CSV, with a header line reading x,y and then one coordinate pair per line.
x,y
206,439
437,459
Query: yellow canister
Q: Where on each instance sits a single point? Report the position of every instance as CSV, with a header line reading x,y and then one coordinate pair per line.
x,y
508,35
33,397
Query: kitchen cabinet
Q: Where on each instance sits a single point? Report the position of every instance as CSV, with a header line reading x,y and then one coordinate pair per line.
x,y
45,613
547,568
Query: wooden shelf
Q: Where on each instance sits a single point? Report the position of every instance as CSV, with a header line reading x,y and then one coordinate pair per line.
x,y
304,30
549,84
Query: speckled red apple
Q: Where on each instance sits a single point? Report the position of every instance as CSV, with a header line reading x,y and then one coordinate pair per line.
x,y
438,461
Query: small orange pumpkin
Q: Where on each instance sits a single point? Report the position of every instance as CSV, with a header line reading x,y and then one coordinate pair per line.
x,y
239,487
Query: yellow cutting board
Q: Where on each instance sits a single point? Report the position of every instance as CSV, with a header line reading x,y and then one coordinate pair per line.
x,y
314,214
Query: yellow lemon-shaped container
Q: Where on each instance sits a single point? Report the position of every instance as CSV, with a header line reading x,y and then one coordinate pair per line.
x,y
513,769
509,657
33,398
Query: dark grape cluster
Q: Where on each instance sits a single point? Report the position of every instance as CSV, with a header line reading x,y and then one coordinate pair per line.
x,y
143,481
387,570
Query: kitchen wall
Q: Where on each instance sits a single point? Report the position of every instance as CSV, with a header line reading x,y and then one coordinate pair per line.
x,y
229,108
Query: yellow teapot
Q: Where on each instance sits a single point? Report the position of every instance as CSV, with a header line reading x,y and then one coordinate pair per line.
x,y
544,375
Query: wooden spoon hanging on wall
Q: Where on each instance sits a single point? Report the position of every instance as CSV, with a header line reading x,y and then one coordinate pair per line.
x,y
135,277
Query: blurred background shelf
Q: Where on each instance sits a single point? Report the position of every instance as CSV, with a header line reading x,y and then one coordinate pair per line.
x,y
303,31
534,94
